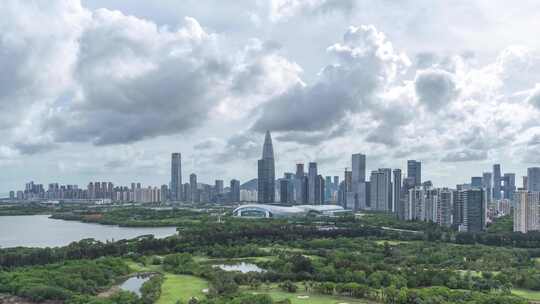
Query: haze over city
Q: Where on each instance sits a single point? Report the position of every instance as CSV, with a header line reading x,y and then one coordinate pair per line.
x,y
96,90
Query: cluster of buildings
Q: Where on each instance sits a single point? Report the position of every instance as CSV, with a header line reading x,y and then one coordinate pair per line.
x,y
176,191
95,191
466,207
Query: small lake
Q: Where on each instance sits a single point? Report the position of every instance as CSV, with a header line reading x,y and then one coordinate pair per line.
x,y
41,231
243,267
134,284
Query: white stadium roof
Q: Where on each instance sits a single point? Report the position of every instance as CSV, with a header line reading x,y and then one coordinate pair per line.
x,y
254,210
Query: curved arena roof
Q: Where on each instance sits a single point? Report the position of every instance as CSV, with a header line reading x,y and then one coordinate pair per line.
x,y
264,210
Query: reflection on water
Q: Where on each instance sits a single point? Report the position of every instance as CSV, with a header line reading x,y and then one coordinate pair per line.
x,y
134,284
41,231
243,267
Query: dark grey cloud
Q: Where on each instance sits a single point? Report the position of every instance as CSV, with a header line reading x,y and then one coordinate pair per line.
x,y
138,81
30,148
315,138
465,155
240,147
206,144
346,87
435,88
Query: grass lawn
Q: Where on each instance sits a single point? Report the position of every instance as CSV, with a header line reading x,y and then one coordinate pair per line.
x,y
181,287
310,298
527,294
303,297
137,267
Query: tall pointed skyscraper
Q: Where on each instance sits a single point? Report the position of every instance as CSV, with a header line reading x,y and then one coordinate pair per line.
x,y
266,172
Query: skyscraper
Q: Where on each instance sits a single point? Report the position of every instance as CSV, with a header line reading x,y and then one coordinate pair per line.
x,y
319,189
496,182
533,179
176,177
476,181
358,168
348,195
403,209
300,194
358,181
397,189
235,191
474,212
328,189
487,184
266,173
218,187
381,190
193,188
414,170
312,180
509,185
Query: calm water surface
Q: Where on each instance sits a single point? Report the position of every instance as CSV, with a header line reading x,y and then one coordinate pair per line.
x,y
134,284
242,267
41,231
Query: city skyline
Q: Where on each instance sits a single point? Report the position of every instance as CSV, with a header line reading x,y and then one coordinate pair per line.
x,y
327,78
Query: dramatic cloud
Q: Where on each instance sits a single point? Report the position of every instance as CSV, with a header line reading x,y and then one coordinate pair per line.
x,y
465,155
88,92
435,88
534,97
283,9
35,60
110,78
137,81
366,63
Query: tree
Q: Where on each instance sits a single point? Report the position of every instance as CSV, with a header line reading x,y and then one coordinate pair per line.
x,y
288,286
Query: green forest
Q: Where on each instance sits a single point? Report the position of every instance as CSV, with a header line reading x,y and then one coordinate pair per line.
x,y
327,260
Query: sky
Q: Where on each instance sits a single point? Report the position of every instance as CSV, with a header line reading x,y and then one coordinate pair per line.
x,y
99,90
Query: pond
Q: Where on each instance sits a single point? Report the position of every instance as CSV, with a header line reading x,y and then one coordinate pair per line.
x,y
134,284
242,267
41,231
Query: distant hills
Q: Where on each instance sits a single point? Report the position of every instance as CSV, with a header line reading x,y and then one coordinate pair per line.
x,y
249,185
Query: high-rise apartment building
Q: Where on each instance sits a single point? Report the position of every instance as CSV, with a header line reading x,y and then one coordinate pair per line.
x,y
444,207
526,211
